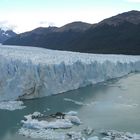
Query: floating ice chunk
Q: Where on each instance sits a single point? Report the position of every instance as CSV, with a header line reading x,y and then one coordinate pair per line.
x,y
60,123
35,124
79,103
74,101
36,115
73,119
32,121
11,105
88,131
132,105
34,127
72,113
48,109
48,134
112,134
93,138
75,136
108,138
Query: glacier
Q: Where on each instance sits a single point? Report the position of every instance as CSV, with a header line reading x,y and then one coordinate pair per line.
x,y
30,72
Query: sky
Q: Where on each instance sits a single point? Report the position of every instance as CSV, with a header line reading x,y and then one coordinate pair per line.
x,y
25,15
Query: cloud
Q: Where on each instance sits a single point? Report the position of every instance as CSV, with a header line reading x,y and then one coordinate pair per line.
x,y
5,25
46,24
134,1
43,22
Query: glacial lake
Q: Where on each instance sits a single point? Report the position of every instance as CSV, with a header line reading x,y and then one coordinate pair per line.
x,y
114,104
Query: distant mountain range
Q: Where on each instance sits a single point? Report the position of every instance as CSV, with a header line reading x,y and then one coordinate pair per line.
x,y
119,34
6,34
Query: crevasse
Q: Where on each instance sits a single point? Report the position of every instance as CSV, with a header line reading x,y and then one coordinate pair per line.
x,y
27,73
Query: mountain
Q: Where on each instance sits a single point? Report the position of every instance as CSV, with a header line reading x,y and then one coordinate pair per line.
x,y
76,26
131,17
4,35
52,37
119,34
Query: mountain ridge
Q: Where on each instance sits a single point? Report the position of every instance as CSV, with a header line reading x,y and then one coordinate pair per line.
x,y
130,16
118,34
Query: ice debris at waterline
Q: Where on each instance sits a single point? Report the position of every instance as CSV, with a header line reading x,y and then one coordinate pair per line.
x,y
11,105
55,127
50,134
28,72
79,103
38,125
54,121
116,135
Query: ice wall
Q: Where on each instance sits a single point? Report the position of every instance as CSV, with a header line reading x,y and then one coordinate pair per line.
x,y
33,72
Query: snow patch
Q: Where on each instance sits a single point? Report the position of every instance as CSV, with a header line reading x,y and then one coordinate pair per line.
x,y
6,34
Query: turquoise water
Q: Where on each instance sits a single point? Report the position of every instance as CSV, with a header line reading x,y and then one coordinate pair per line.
x,y
114,104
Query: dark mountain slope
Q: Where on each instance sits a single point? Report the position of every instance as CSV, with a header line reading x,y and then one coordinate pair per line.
x,y
122,39
4,35
116,35
76,26
50,37
131,16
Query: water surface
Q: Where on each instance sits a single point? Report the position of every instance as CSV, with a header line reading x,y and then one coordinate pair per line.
x,y
114,104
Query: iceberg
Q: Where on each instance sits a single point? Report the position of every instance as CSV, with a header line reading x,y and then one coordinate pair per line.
x,y
47,128
28,72
32,121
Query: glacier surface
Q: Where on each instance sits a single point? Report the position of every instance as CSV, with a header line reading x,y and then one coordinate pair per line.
x,y
28,72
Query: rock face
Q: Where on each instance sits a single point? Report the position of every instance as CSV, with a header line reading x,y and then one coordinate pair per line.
x,y
119,34
34,72
4,35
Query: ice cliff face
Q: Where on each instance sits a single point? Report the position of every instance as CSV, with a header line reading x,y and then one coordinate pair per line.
x,y
34,72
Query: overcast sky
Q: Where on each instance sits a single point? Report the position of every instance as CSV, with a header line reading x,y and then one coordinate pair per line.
x,y
24,15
